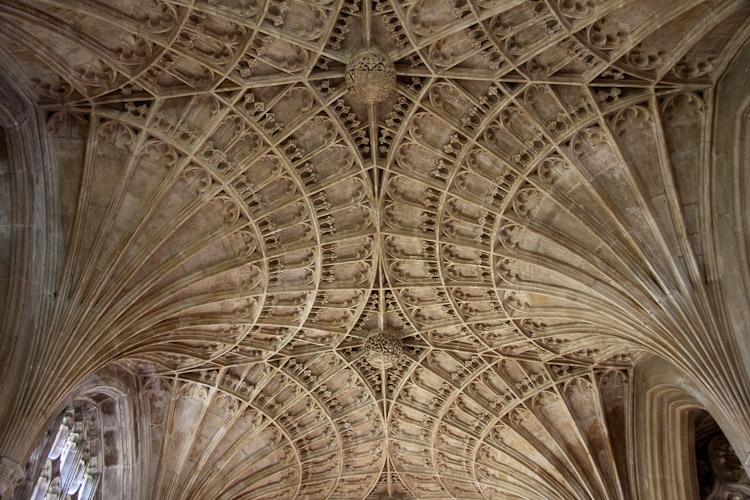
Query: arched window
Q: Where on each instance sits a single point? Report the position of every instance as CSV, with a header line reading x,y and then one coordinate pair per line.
x,y
87,452
71,451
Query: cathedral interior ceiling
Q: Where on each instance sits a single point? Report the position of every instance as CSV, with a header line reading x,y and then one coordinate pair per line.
x,y
510,191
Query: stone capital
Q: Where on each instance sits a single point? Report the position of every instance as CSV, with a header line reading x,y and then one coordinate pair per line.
x,y
11,473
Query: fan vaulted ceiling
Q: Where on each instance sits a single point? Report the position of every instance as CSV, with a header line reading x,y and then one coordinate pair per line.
x,y
523,212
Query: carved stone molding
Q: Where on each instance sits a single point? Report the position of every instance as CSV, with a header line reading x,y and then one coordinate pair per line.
x,y
11,472
731,479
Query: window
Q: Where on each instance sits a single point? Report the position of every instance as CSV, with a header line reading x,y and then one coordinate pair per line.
x,y
69,456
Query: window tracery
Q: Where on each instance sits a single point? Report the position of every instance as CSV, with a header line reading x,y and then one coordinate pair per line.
x,y
72,456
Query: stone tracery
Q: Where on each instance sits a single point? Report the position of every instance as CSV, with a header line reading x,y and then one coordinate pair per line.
x,y
523,207
72,465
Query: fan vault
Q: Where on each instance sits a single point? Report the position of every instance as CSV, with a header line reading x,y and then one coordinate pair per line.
x,y
229,210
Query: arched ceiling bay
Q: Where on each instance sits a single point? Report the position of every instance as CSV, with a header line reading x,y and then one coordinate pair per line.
x,y
526,211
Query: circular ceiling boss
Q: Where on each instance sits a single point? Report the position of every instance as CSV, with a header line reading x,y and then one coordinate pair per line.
x,y
383,349
370,76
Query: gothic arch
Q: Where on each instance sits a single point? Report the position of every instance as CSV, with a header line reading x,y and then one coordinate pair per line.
x,y
93,444
663,417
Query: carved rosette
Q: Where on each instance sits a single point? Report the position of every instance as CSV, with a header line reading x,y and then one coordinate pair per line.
x,y
383,349
370,76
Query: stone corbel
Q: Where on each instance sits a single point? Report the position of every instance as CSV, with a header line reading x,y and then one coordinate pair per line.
x,y
11,473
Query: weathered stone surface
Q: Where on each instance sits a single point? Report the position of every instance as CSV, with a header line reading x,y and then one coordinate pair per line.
x,y
224,197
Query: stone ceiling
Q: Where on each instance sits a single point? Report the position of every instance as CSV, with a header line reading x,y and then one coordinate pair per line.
x,y
522,213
